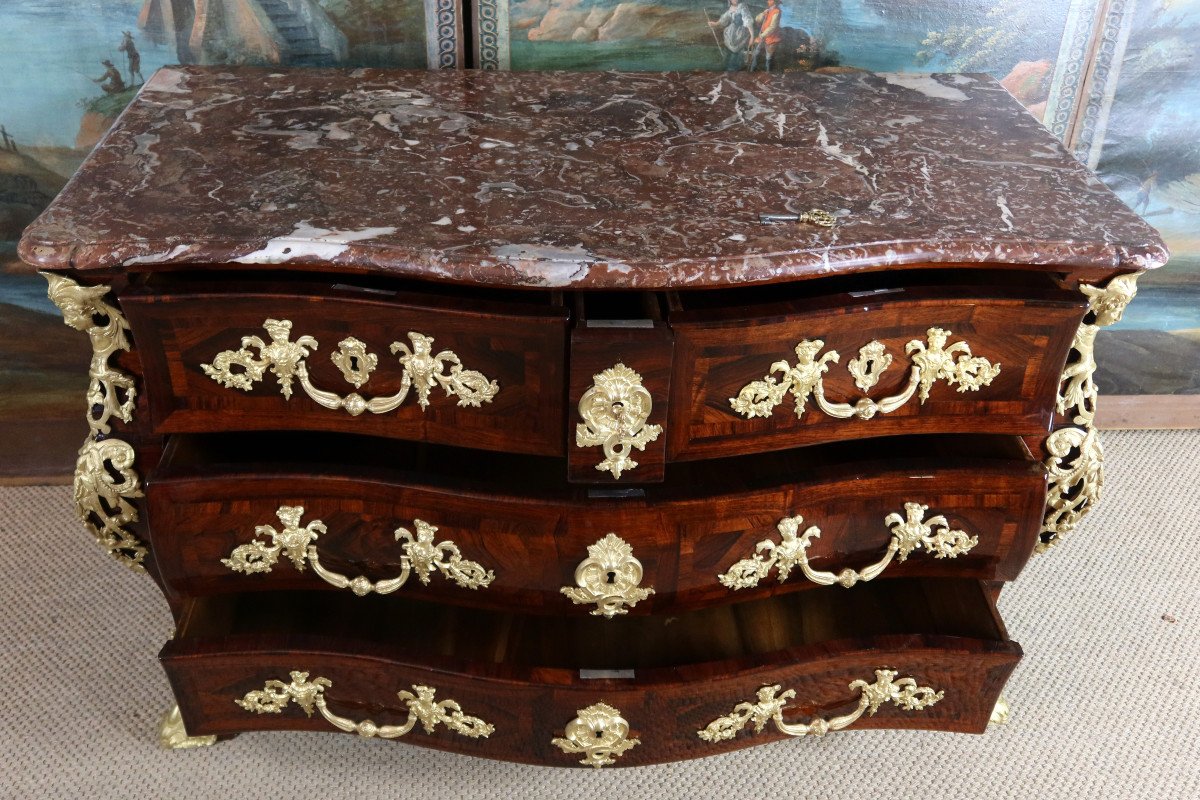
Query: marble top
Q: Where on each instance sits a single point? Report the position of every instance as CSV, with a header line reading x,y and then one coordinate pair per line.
x,y
649,180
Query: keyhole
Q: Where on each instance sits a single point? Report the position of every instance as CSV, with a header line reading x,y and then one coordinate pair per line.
x,y
612,577
354,363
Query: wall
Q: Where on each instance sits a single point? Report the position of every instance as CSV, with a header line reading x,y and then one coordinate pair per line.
x,y
1117,80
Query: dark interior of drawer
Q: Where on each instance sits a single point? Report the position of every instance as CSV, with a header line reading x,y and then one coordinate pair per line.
x,y
312,284
947,607
195,456
870,287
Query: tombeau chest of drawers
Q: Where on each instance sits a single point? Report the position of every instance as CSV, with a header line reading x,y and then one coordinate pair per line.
x,y
585,419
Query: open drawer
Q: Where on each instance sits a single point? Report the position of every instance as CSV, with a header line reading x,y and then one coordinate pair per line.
x,y
418,362
575,691
240,513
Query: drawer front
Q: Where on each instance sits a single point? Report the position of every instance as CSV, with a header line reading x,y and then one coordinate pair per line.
x,y
576,553
489,376
245,534
565,717
946,522
926,360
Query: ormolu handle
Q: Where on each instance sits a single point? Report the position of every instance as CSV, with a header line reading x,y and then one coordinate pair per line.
x,y
422,368
905,693
275,696
420,554
932,361
908,534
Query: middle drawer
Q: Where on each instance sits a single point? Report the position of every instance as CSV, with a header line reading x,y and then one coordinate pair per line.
x,y
504,532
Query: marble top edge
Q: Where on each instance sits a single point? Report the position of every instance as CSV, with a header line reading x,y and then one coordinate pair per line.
x,y
656,184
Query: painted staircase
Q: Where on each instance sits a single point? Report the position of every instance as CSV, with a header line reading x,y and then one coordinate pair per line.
x,y
301,46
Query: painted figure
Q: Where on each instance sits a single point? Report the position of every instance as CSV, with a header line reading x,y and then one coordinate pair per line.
x,y
738,22
111,81
9,143
1141,203
768,37
135,59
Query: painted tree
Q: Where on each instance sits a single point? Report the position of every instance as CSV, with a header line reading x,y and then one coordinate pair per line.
x,y
995,40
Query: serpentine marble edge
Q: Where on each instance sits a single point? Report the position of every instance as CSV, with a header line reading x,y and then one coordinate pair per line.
x,y
648,180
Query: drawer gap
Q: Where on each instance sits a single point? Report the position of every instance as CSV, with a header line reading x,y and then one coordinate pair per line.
x,y
317,284
866,287
746,631
191,457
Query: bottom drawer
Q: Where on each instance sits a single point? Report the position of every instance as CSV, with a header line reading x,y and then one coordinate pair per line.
x,y
905,653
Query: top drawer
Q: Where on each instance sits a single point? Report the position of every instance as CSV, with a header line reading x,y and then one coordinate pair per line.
x,y
884,354
436,366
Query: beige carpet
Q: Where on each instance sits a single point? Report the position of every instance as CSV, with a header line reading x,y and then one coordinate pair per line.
x,y
1106,703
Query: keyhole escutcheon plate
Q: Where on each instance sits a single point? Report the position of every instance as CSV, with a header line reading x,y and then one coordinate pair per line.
x,y
610,578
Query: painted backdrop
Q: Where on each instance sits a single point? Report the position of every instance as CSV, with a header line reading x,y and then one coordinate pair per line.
x,y
1117,80
1146,146
67,69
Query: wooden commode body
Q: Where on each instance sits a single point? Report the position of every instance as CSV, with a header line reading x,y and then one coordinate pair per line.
x,y
585,419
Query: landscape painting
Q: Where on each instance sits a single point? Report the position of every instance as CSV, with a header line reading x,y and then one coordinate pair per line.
x,y
1118,82
67,69
1017,41
1149,153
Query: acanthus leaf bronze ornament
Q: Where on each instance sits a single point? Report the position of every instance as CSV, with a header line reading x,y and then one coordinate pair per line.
x,y
421,555
242,368
470,387
932,361
104,489
111,392
615,410
770,706
600,733
910,532
106,482
610,577
1074,456
422,705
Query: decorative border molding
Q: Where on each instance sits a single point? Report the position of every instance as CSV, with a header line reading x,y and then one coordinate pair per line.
x,y
443,29
491,35
1071,67
1091,118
